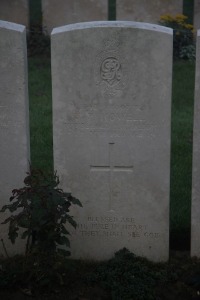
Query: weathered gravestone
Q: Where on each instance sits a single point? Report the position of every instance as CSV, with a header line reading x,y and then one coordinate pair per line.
x,y
111,118
195,220
14,136
16,11
61,12
147,10
197,14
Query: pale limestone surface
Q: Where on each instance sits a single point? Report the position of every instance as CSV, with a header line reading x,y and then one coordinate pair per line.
x,y
195,219
61,12
147,10
14,127
16,11
197,14
111,126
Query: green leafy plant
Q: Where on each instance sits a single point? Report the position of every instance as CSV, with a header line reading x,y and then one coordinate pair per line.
x,y
41,209
183,38
127,276
188,52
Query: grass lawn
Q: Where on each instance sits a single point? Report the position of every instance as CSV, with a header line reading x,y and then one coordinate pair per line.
x,y
35,11
40,113
181,154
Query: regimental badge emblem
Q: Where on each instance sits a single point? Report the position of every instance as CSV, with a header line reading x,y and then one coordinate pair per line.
x,y
111,69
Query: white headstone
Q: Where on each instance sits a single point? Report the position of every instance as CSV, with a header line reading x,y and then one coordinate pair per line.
x,y
195,220
16,11
61,12
14,127
111,121
147,10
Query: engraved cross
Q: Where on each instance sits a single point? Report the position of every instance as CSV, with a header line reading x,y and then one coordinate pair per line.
x,y
111,168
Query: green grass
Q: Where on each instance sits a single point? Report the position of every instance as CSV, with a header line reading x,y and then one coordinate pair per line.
x,y
182,123
181,154
40,113
35,11
111,10
188,7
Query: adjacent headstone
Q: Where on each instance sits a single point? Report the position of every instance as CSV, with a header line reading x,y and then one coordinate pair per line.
x,y
16,11
195,220
111,120
197,14
61,12
147,10
14,129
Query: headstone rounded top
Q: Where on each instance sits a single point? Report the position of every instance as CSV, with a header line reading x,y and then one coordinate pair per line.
x,y
12,26
110,24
